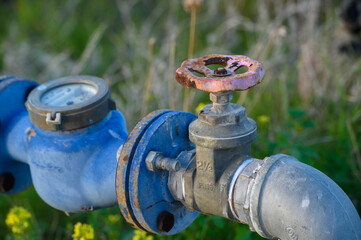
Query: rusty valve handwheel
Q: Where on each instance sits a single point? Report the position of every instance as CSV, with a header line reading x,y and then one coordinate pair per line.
x,y
220,79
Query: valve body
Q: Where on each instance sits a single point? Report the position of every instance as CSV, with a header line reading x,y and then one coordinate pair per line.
x,y
222,135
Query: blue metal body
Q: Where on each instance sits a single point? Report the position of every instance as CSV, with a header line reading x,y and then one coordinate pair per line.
x,y
75,171
143,195
72,171
13,94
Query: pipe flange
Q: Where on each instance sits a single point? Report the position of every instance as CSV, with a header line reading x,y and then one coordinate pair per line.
x,y
143,195
124,163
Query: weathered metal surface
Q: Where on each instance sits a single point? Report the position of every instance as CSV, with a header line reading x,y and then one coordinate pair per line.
x,y
282,198
15,176
220,79
124,162
223,141
72,171
156,161
223,179
222,133
150,199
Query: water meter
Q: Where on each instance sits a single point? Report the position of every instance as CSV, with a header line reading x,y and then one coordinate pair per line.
x,y
69,103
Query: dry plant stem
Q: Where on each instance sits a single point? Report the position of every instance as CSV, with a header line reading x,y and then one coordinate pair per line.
x,y
242,97
187,97
192,94
148,81
172,96
356,116
240,4
284,96
260,91
262,55
192,33
355,150
89,49
55,222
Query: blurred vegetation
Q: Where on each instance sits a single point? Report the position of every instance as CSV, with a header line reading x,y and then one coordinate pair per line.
x,y
308,105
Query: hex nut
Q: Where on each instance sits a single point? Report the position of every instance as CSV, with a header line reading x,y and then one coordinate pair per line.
x,y
151,159
221,97
235,114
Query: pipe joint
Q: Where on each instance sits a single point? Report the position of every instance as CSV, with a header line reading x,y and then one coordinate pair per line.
x,y
282,198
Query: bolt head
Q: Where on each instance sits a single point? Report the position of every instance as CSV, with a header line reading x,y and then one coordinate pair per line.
x,y
220,71
150,160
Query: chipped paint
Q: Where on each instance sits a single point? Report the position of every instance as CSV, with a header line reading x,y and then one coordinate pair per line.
x,y
124,163
31,133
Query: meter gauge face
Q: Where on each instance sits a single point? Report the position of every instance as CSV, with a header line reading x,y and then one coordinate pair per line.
x,y
68,95
69,103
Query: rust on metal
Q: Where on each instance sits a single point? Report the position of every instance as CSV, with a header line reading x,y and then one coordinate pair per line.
x,y
194,73
30,133
124,164
220,71
135,187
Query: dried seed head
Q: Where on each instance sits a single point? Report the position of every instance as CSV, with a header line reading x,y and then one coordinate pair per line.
x,y
282,31
192,4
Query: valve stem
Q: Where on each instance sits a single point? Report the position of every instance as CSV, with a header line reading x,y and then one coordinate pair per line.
x,y
221,100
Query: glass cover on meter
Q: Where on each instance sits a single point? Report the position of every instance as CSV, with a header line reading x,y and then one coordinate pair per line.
x,y
68,95
69,103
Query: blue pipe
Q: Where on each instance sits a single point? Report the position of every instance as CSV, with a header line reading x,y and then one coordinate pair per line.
x,y
72,171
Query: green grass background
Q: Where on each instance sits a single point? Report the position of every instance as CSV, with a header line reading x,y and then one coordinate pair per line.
x,y
311,92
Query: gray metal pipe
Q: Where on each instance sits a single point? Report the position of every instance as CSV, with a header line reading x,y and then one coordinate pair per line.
x,y
282,198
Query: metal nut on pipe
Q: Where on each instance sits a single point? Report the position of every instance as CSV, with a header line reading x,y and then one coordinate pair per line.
x,y
156,161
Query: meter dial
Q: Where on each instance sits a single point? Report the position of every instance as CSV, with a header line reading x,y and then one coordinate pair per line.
x,y
68,95
69,103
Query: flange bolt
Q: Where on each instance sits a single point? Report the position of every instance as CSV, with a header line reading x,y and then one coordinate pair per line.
x,y
156,161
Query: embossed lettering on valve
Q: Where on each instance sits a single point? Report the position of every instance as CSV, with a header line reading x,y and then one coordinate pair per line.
x,y
204,166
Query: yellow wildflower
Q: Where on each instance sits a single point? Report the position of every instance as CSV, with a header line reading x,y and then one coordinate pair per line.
x,y
83,231
141,235
200,106
263,119
18,220
114,218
